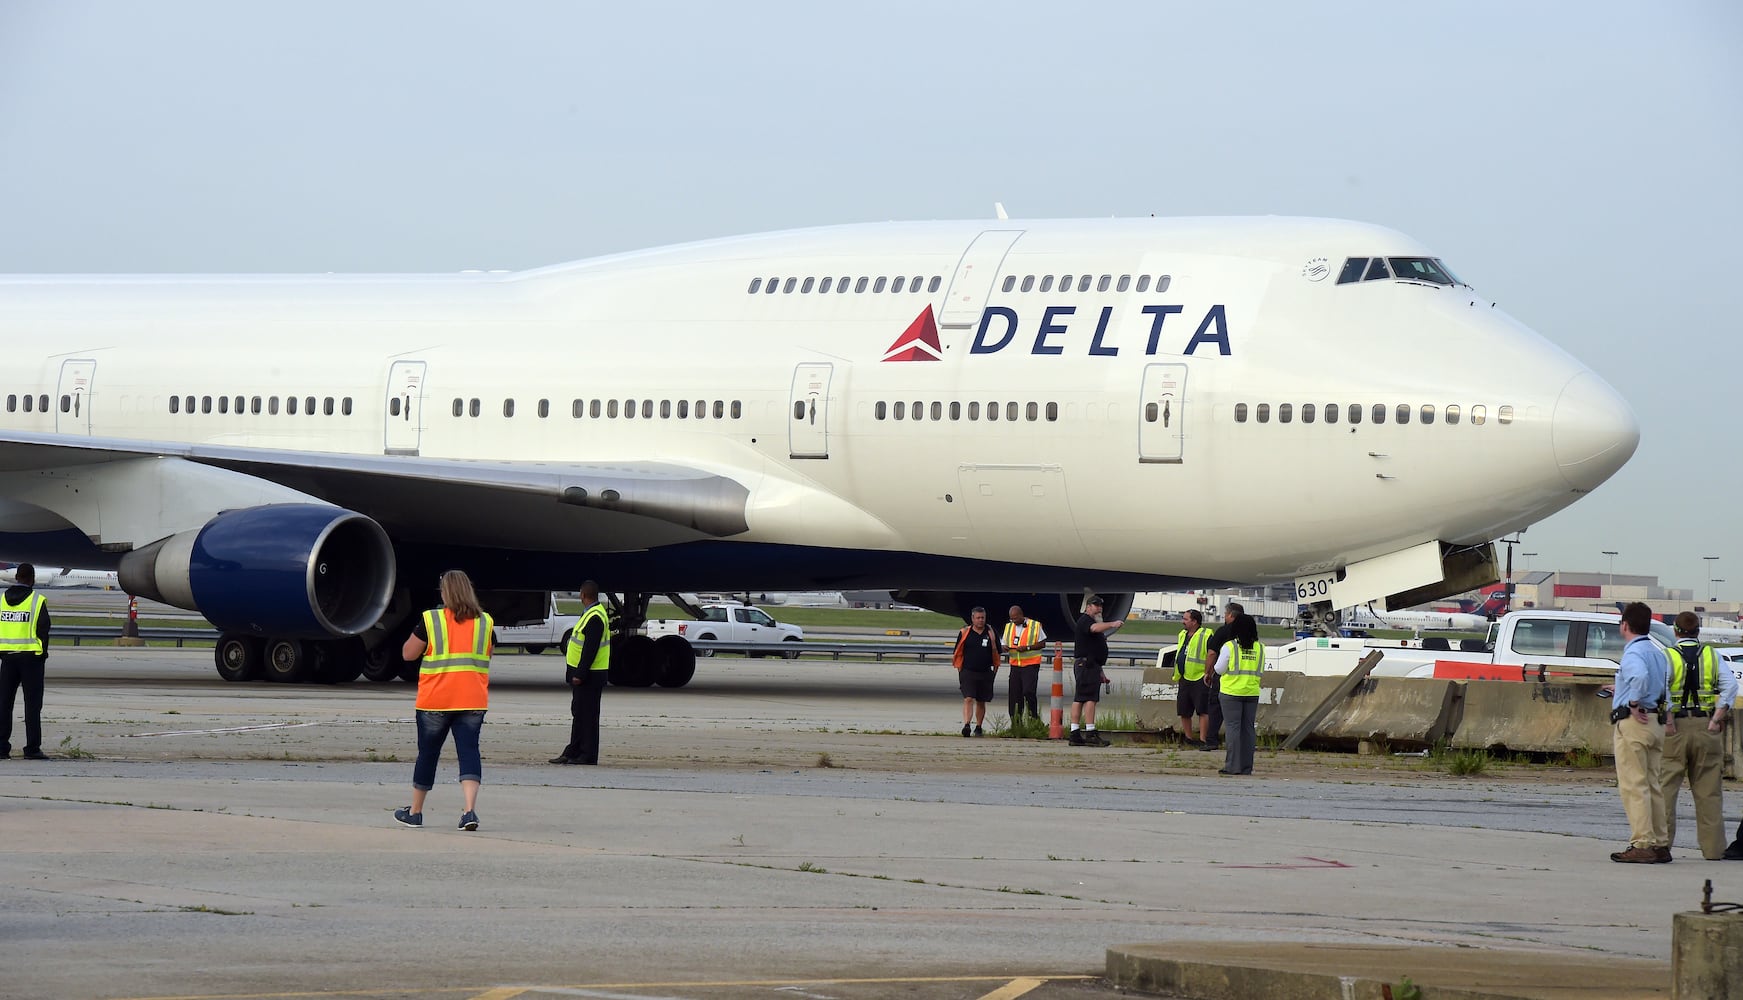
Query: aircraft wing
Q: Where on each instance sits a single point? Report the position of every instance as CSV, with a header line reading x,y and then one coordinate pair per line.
x,y
569,506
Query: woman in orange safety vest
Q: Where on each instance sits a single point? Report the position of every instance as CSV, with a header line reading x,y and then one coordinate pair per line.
x,y
453,693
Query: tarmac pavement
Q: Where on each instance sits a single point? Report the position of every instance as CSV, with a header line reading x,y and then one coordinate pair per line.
x,y
237,840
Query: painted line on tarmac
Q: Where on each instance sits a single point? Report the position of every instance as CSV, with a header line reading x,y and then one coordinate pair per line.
x,y
256,729
509,992
1013,989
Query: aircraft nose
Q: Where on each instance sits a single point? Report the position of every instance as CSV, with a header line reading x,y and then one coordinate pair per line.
x,y
1593,431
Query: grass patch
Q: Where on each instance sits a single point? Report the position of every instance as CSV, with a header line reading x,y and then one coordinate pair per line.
x,y
1467,762
1582,757
806,866
824,760
1023,727
70,749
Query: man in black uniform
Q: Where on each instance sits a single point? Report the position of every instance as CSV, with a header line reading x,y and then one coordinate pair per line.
x,y
977,662
587,665
24,637
1089,653
1224,634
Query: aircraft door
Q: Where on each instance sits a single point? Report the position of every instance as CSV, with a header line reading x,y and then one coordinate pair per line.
x,y
973,282
1162,413
808,419
404,410
72,413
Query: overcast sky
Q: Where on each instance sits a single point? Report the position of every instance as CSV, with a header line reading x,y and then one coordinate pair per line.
x,y
1582,163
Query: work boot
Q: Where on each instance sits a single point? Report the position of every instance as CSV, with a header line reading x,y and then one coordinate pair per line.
x,y
1636,856
1663,854
965,729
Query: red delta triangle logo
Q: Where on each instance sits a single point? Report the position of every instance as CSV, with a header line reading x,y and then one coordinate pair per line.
x,y
919,342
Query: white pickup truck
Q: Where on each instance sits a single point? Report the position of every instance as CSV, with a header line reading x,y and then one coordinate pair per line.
x,y
735,623
1537,637
535,638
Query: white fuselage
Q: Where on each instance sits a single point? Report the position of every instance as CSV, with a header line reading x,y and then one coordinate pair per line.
x,y
1122,447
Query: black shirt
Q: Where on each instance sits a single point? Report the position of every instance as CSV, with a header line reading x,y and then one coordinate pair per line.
x,y
978,649
1088,644
1224,634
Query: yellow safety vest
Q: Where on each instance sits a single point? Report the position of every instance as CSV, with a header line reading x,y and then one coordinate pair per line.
x,y
601,659
1189,654
455,674
1025,635
18,625
1242,680
1707,697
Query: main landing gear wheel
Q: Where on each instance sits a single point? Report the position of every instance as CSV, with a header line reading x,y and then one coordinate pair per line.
x,y
635,661
239,657
382,663
676,660
339,661
289,661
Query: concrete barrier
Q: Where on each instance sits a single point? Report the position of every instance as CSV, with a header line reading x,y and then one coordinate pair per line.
x,y
1158,698
1414,712
1552,717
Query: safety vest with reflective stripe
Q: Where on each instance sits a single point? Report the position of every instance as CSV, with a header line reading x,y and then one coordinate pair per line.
x,y
1245,666
1189,654
1026,634
455,675
18,625
601,659
1708,695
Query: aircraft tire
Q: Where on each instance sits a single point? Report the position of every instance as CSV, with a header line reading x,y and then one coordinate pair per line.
x,y
339,661
382,663
289,661
239,657
634,661
677,659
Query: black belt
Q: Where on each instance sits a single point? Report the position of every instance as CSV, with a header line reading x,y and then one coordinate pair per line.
x,y
1694,712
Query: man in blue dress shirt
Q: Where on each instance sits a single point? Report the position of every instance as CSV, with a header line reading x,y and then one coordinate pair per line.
x,y
1641,687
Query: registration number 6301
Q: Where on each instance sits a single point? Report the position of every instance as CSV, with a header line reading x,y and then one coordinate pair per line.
x,y
1314,588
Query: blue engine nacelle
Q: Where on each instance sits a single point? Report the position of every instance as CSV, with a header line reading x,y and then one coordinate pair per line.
x,y
289,571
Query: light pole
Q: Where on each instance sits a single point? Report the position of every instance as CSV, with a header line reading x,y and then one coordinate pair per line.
x,y
1710,560
1612,554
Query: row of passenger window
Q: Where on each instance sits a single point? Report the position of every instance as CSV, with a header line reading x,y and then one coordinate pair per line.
x,y
841,286
920,410
35,403
1106,282
307,405
608,409
1401,414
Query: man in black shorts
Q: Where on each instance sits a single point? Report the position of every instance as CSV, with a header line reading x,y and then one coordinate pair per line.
x,y
1089,654
977,663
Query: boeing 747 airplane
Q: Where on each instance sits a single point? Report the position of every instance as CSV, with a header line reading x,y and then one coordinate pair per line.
x,y
971,413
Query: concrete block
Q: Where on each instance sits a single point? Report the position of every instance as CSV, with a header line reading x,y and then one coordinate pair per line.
x,y
1531,716
1404,712
129,640
1706,956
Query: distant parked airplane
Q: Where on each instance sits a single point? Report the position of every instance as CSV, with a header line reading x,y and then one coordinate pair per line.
x,y
55,578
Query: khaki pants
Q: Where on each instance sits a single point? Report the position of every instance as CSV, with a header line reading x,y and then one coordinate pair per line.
x,y
1699,754
1639,750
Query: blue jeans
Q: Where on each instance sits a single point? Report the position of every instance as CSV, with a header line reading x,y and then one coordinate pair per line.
x,y
433,729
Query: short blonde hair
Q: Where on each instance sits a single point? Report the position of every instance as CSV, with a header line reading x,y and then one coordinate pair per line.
x,y
459,597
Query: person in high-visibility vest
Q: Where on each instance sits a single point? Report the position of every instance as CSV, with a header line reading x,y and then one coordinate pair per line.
x,y
24,626
454,642
586,666
1023,641
1239,664
1191,659
1701,695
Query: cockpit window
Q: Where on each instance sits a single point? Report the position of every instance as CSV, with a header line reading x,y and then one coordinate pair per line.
x,y
1422,269
1377,270
1353,269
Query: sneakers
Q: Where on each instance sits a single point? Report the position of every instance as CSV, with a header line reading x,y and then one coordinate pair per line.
x,y
561,758
966,729
1663,855
978,731
1091,738
405,817
468,820
35,755
1210,746
1076,738
1636,856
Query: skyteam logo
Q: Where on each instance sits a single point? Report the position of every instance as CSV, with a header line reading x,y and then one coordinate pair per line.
x,y
919,342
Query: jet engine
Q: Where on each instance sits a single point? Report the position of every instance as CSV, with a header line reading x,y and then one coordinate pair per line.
x,y
284,570
1057,613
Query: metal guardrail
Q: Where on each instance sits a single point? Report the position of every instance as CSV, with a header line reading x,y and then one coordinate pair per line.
x,y
877,651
